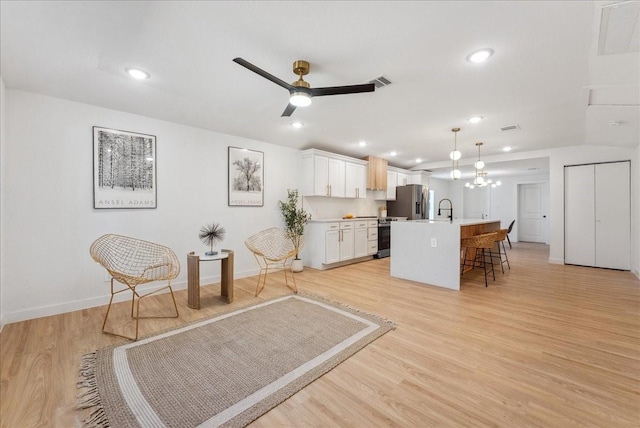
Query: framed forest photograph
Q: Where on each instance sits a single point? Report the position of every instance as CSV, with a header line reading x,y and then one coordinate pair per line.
x,y
124,169
246,177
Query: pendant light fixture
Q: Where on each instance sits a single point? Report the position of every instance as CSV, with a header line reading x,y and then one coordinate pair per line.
x,y
480,179
455,155
480,174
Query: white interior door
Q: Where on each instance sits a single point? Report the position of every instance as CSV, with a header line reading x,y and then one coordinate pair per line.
x,y
613,215
579,215
532,212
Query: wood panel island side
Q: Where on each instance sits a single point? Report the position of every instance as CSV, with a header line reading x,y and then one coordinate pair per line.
x,y
428,251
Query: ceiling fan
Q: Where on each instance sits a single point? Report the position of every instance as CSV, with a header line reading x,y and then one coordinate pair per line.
x,y
300,91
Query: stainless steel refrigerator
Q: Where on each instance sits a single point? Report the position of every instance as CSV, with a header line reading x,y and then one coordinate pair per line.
x,y
412,201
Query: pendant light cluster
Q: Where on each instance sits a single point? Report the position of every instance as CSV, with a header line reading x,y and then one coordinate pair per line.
x,y
455,155
480,179
481,176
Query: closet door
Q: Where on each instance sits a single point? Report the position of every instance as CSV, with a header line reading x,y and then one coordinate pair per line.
x,y
579,215
613,215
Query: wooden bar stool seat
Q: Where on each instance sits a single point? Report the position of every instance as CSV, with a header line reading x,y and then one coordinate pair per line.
x,y
481,246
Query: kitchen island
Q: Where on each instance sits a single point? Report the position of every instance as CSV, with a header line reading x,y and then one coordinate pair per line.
x,y
428,251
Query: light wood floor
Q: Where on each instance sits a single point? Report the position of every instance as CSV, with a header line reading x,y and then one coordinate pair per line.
x,y
543,346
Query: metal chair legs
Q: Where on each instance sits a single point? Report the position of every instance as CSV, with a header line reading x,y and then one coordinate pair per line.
x,y
500,255
264,269
136,304
480,259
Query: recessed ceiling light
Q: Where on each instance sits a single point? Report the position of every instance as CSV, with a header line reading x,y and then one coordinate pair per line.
x,y
362,143
506,149
475,119
393,153
297,125
480,55
418,160
136,73
615,123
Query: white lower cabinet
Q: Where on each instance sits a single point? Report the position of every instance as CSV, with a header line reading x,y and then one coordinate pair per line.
x,y
328,243
332,244
360,239
372,237
346,240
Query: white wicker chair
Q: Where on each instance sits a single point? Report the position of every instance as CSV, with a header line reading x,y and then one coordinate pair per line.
x,y
272,248
133,262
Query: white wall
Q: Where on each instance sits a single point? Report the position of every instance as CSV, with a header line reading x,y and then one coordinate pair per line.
x,y
323,208
2,144
502,201
51,223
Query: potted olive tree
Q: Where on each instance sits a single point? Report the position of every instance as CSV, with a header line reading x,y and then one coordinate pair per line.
x,y
295,220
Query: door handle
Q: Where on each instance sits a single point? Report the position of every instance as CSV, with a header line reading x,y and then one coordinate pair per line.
x,y
544,216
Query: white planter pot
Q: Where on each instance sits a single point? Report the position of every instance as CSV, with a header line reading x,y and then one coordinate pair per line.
x,y
297,265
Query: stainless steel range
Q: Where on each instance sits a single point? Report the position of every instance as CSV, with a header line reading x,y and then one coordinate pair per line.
x,y
384,236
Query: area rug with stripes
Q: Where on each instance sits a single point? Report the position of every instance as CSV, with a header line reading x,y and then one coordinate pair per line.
x,y
226,370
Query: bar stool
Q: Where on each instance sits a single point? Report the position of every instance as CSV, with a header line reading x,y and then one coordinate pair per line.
x,y
501,254
479,243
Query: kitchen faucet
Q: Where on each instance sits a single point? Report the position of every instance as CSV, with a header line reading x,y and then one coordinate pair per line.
x,y
450,209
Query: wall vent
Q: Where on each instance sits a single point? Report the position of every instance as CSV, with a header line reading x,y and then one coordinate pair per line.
x,y
510,128
380,82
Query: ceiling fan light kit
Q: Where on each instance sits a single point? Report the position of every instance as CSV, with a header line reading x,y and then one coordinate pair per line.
x,y
300,99
300,92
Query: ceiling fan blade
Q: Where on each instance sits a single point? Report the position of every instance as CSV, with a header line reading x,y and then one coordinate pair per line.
x,y
263,73
341,90
287,111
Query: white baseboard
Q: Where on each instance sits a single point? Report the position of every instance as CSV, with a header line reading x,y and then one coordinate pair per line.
x,y
636,272
76,305
556,261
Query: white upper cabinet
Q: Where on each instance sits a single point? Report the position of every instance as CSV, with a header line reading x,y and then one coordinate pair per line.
x,y
403,179
321,176
331,175
336,178
392,182
396,177
355,180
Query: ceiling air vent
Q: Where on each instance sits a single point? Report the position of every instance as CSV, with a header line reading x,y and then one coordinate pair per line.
x,y
619,24
510,128
380,82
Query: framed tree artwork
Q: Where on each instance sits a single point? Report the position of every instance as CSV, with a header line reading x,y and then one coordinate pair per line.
x,y
124,169
246,177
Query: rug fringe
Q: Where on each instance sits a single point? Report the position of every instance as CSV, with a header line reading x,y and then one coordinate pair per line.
x,y
89,397
97,419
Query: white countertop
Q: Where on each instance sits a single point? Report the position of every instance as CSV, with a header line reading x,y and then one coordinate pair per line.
x,y
331,220
456,222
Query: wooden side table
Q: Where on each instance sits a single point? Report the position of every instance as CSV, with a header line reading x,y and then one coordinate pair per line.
x,y
193,276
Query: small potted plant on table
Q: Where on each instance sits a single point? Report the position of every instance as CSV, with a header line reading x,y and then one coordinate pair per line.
x,y
295,220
